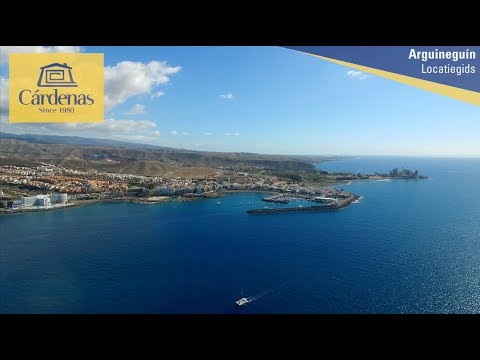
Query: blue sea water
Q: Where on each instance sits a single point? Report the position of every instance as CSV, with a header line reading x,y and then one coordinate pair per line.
x,y
408,246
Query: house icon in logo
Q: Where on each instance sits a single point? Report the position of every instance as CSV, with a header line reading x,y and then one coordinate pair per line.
x,y
56,75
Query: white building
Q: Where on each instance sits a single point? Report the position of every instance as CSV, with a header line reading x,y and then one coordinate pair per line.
x,y
30,200
41,200
58,198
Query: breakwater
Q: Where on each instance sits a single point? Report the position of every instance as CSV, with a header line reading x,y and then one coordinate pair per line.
x,y
341,204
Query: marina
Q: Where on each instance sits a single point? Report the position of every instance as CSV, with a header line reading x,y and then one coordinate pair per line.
x,y
283,198
338,205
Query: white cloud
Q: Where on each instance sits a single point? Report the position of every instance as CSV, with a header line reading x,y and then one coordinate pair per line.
x,y
185,133
227,134
157,94
110,128
208,133
6,50
173,132
356,74
227,96
232,134
3,95
127,79
122,81
236,134
136,109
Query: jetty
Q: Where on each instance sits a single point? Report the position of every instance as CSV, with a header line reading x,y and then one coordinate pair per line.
x,y
341,204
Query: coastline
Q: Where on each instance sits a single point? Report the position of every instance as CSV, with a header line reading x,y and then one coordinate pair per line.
x,y
162,199
38,209
75,203
157,200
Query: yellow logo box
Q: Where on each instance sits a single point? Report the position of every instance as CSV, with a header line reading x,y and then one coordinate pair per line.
x,y
56,88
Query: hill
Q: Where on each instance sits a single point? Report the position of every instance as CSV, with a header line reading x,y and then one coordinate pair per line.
x,y
124,157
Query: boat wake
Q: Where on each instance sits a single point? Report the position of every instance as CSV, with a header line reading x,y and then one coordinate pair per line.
x,y
246,300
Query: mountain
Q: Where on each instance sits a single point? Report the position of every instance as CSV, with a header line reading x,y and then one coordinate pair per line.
x,y
124,157
75,140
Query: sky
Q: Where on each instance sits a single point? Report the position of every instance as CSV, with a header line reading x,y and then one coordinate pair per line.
x,y
269,100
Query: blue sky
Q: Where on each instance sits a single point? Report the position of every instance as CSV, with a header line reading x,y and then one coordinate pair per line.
x,y
265,99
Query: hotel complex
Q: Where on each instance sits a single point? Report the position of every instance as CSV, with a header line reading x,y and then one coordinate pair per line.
x,y
40,201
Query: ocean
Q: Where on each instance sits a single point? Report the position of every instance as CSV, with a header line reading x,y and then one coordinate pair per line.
x,y
408,246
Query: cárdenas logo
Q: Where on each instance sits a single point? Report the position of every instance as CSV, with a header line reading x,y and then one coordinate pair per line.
x,y
56,75
56,88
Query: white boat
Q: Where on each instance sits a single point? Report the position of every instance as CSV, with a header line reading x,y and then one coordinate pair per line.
x,y
245,300
242,301
218,202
